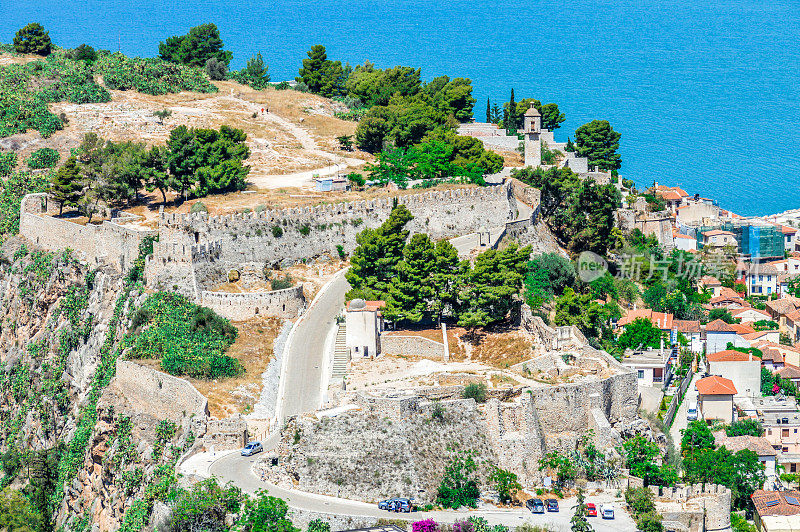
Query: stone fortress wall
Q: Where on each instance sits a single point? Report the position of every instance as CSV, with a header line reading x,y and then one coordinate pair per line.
x,y
285,303
195,252
158,394
417,346
114,242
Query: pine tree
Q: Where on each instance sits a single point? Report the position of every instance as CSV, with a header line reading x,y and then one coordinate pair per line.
x,y
488,111
410,291
445,277
579,521
570,145
374,261
67,184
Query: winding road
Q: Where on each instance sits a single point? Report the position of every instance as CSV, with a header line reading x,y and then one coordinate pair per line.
x,y
302,374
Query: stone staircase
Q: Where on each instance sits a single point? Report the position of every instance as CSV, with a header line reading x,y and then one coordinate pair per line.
x,y
341,355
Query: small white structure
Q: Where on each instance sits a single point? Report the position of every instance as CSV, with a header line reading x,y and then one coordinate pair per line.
x,y
532,129
652,367
715,398
364,323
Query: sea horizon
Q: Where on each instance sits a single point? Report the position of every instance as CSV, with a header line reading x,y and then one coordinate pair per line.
x,y
704,96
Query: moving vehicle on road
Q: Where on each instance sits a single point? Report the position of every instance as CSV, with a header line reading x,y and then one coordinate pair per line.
x,y
591,510
536,506
607,511
551,504
252,448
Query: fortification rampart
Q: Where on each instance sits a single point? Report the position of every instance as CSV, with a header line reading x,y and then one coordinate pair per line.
x,y
158,394
395,344
284,236
694,507
114,242
241,306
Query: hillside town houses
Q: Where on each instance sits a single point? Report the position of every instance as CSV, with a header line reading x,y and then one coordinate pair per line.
x,y
743,358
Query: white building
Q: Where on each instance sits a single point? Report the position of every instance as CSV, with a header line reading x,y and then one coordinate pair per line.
x,y
364,323
652,367
742,369
715,398
719,333
762,279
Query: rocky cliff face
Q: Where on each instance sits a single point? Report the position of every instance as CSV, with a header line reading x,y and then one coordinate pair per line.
x,y
60,328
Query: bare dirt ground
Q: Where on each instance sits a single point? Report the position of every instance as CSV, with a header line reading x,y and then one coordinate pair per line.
x,y
291,135
253,349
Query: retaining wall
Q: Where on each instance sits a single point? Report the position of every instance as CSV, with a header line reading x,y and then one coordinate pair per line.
x,y
158,394
241,306
412,345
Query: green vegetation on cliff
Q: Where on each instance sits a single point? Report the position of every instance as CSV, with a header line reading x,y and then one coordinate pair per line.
x,y
187,338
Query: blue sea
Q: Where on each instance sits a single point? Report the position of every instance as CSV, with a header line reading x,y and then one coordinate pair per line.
x,y
705,94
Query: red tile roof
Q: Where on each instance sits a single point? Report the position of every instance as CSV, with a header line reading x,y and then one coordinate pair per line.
x,y
760,446
789,372
660,319
719,326
716,385
775,503
686,326
729,355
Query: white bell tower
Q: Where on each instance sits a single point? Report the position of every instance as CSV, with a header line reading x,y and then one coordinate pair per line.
x,y
532,131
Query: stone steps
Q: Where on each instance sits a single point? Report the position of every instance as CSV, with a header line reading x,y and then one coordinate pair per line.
x,y
341,355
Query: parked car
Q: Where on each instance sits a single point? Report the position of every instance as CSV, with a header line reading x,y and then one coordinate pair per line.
x,y
591,510
607,511
252,448
400,505
691,415
384,505
536,506
552,505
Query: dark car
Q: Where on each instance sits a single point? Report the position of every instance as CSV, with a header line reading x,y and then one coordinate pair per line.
x,y
536,506
591,510
252,448
552,505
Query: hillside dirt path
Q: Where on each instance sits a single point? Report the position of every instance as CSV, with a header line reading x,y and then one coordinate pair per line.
x,y
303,178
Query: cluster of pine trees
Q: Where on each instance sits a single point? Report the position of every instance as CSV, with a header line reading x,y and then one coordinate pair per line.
x,y
423,281
194,162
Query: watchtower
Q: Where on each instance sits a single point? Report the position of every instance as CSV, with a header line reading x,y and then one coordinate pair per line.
x,y
532,131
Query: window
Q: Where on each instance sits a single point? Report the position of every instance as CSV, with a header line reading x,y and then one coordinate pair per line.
x,y
760,278
793,468
641,373
784,433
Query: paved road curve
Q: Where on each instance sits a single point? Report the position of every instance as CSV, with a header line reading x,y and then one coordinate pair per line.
x,y
238,469
302,377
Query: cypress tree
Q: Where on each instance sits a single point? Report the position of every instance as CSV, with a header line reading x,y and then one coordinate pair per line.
x,y
488,111
511,125
66,186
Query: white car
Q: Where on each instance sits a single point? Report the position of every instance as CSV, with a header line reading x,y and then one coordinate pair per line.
x,y
691,414
607,511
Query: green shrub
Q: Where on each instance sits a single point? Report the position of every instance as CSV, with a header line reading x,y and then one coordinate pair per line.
x,y
43,158
8,161
187,338
26,90
475,391
282,284
198,206
150,75
304,229
277,231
